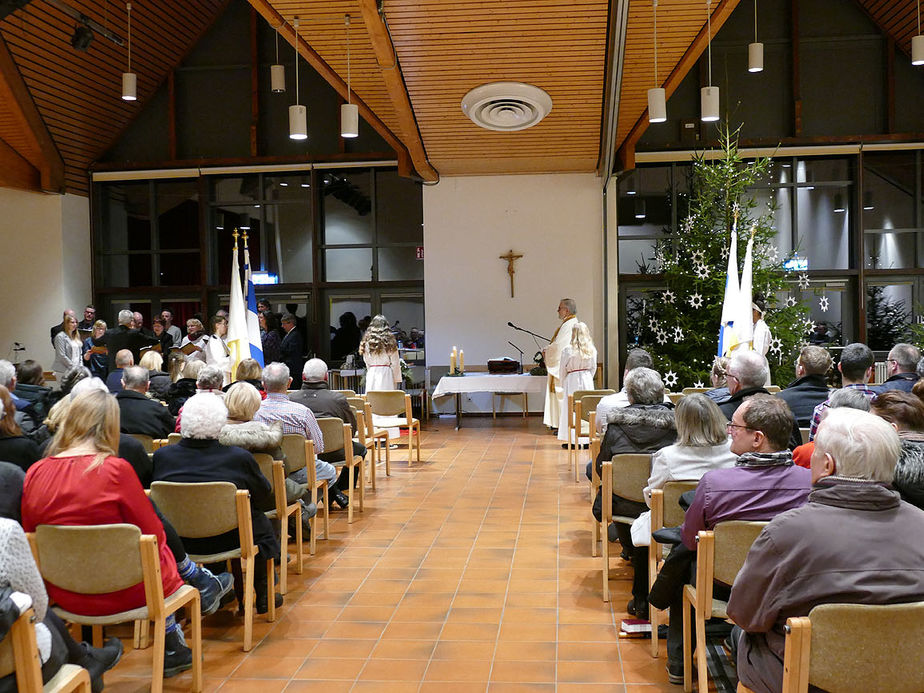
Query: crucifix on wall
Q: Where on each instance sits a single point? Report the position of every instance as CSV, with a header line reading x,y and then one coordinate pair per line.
x,y
510,257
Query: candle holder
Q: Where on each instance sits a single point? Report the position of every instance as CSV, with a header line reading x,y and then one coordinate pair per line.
x,y
456,356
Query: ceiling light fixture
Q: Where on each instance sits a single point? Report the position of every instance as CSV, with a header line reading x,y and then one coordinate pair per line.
x,y
298,114
917,43
640,208
277,71
755,50
129,78
657,98
349,112
868,201
709,95
839,203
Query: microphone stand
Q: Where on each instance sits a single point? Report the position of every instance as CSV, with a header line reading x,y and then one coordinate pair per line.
x,y
510,324
521,355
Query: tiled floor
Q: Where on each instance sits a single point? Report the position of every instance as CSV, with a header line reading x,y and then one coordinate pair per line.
x,y
468,572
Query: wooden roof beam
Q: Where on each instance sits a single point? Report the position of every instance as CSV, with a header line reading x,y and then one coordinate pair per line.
x,y
287,31
387,58
16,172
626,153
42,154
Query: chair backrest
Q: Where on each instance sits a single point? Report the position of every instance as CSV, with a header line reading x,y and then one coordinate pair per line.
x,y
694,390
881,646
588,404
197,510
630,475
273,470
70,557
675,397
174,438
332,431
358,403
293,447
348,393
804,432
146,441
733,540
580,394
672,490
772,389
389,402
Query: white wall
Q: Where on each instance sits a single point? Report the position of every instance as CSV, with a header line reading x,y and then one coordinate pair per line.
x,y
554,221
46,268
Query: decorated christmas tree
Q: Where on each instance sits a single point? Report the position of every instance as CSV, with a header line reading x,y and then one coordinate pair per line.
x,y
680,324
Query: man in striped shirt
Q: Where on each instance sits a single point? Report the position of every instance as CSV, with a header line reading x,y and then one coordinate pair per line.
x,y
856,367
296,418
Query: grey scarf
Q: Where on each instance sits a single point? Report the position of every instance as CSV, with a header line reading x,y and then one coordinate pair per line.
x,y
783,458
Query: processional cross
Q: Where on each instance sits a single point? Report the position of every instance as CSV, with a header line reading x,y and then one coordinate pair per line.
x,y
510,257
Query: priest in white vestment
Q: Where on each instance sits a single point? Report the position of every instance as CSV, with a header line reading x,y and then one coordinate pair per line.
x,y
551,412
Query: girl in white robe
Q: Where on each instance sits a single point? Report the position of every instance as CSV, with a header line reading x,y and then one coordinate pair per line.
x,y
380,354
216,350
577,367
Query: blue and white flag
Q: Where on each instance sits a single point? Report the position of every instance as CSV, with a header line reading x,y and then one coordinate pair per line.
x,y
238,344
727,327
253,322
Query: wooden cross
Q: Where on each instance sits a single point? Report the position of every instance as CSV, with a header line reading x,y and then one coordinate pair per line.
x,y
510,258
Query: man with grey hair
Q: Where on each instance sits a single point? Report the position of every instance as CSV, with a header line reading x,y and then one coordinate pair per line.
x,y
810,388
636,358
299,419
746,374
856,367
210,379
855,541
322,401
901,366
567,310
124,336
138,413
8,380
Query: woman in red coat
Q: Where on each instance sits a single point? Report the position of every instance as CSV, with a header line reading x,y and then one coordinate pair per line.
x,y
83,482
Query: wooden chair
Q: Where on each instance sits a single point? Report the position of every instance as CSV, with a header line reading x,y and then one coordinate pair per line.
x,y
823,649
393,409
174,438
665,512
772,389
694,390
70,558
19,654
580,402
804,432
338,436
348,393
720,554
274,471
146,441
207,509
626,476
674,397
373,438
299,454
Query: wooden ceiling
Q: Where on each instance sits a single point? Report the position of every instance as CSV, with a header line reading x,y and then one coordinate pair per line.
x,y
410,67
77,94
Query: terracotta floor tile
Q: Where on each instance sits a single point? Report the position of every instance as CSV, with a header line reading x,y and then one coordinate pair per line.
x,y
474,615
454,670
527,631
469,631
590,672
257,667
420,612
351,629
464,649
403,649
509,650
605,688
273,647
507,687
520,671
333,669
385,686
251,686
366,613
514,614
394,670
412,630
348,649
588,651
454,687
583,632
318,686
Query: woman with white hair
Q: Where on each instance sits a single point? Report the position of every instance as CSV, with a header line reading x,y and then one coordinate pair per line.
x,y
200,457
577,366
380,353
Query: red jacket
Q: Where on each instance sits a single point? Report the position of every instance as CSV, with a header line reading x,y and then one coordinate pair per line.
x,y
60,491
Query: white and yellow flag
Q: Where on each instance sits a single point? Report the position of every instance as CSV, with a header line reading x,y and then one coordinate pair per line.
x,y
238,341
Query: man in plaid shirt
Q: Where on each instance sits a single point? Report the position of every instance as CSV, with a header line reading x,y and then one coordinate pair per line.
x,y
299,419
856,367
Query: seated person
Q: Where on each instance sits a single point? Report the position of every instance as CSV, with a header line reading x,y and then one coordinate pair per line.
x,y
763,483
138,413
637,358
56,647
810,388
902,365
905,412
123,359
184,386
160,381
30,386
14,446
200,457
855,541
82,482
249,371
719,391
845,397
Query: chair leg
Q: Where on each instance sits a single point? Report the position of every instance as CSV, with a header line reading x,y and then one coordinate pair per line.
x,y
157,670
97,632
594,538
247,568
324,489
350,493
299,546
687,646
312,540
387,456
195,628
654,614
702,670
418,442
362,487
374,458
271,590
605,553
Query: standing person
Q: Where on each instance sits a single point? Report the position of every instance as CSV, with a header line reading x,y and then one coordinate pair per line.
x,y
346,339
216,351
89,319
124,336
59,326
552,353
380,353
68,348
171,329
269,338
162,336
762,337
292,347
195,335
578,366
97,363
138,324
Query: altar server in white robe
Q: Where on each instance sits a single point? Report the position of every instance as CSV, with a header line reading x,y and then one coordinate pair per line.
x,y
551,413
578,365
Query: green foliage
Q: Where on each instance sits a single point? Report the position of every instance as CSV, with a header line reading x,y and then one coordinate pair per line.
x,y
887,320
683,332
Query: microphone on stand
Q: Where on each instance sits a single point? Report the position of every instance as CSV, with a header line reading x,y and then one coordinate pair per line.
x,y
521,354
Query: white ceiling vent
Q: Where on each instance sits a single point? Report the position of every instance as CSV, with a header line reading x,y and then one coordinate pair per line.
x,y
506,106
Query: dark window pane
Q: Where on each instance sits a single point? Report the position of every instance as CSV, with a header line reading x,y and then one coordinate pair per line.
x,y
346,207
125,216
295,188
237,189
177,214
244,218
399,209
288,241
179,269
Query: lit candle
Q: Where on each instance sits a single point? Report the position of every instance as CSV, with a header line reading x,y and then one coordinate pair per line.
x,y
452,360
461,361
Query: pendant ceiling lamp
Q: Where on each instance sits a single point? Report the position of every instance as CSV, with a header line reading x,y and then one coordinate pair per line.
x,y
298,114
657,98
277,72
755,50
709,95
129,78
349,112
917,43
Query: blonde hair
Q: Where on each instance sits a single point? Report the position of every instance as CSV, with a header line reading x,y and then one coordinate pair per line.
x,y
71,335
248,369
191,369
57,414
378,337
581,341
175,362
700,423
243,401
93,417
151,360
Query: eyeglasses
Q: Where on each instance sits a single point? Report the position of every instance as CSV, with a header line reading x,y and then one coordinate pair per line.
x,y
731,375
729,426
891,360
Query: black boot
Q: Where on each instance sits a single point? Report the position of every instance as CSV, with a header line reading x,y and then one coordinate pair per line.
x,y
261,586
335,495
98,660
177,657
